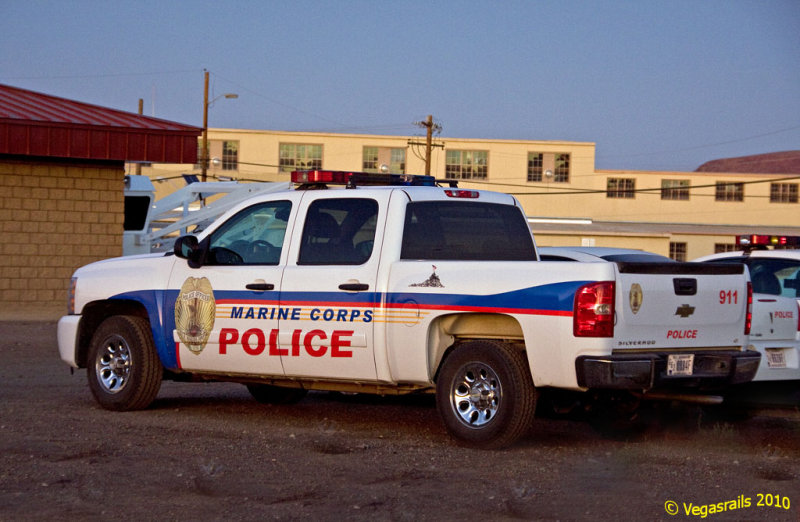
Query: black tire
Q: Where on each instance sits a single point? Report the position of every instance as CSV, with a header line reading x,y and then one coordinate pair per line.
x,y
123,369
616,415
268,394
484,394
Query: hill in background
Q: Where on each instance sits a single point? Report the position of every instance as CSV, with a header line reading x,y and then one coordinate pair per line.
x,y
787,162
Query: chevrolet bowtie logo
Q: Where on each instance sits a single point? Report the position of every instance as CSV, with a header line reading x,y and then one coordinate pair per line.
x,y
684,310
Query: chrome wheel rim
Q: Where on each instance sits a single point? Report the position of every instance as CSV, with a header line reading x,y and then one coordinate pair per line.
x,y
113,365
475,394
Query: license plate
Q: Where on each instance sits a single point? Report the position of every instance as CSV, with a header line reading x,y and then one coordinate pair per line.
x,y
776,358
680,364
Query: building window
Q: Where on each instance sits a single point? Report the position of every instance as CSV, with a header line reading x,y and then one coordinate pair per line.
x,y
466,164
230,155
561,171
620,188
535,166
297,156
677,189
783,193
727,191
369,161
544,166
397,163
374,157
677,251
724,247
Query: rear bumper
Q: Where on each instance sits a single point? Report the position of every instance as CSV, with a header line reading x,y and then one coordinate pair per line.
x,y
646,371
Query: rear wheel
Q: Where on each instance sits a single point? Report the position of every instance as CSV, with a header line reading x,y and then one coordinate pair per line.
x,y
616,414
484,394
124,371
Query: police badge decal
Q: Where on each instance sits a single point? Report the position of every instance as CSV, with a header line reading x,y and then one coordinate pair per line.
x,y
635,297
194,313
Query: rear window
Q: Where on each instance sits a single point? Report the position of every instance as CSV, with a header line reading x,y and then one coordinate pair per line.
x,y
466,231
774,276
136,209
638,258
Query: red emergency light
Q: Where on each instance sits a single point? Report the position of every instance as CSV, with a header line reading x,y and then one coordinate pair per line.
x,y
354,179
321,176
763,241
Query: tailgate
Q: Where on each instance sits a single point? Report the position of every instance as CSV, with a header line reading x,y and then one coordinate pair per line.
x,y
680,306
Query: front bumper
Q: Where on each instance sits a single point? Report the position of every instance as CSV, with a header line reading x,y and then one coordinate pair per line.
x,y
646,371
68,339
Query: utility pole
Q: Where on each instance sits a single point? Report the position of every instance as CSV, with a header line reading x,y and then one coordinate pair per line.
x,y
141,112
428,144
204,152
206,103
430,129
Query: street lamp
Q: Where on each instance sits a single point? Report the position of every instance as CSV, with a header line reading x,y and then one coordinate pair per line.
x,y
206,103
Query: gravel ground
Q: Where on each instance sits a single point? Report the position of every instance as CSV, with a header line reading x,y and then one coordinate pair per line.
x,y
210,452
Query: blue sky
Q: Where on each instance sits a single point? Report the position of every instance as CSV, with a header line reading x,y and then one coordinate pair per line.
x,y
658,85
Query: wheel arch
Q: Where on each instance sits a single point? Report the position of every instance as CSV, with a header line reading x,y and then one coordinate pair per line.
x,y
451,330
94,313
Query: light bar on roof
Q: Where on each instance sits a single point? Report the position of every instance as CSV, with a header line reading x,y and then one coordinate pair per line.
x,y
354,179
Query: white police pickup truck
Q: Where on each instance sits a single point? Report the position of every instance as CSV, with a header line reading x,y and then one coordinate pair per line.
x,y
409,287
775,332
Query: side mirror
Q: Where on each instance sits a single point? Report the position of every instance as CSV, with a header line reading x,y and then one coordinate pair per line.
x,y
187,247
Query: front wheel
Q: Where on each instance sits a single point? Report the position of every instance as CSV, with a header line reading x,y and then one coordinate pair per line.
x,y
484,394
124,371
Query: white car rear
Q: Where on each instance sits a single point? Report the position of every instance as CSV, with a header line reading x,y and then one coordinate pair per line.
x,y
775,329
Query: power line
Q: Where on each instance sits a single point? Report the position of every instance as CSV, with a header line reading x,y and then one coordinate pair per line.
x,y
561,191
87,76
276,102
697,147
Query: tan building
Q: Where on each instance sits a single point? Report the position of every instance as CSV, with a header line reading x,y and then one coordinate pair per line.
x,y
681,214
62,173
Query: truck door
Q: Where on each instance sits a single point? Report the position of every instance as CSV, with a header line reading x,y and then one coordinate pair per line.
x,y
224,314
329,293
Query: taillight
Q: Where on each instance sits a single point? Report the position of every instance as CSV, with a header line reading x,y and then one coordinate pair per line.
x,y
798,316
594,310
461,193
748,321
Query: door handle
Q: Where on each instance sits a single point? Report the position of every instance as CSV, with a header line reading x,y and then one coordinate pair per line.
x,y
260,287
685,285
354,287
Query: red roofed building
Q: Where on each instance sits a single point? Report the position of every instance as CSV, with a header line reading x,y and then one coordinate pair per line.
x,y
62,170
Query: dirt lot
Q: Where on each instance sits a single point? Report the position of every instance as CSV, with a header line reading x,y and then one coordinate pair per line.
x,y
208,451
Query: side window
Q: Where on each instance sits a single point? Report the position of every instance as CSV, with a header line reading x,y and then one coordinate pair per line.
x,y
254,236
339,232
466,232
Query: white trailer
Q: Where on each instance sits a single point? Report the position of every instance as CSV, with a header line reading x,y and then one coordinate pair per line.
x,y
152,226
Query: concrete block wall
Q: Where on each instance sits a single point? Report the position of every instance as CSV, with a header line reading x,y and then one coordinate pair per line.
x,y
54,218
